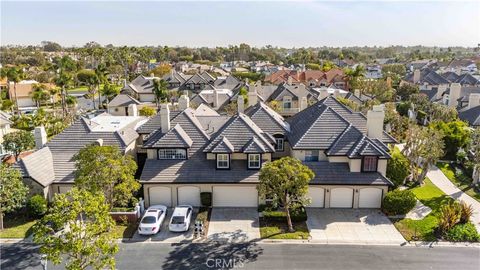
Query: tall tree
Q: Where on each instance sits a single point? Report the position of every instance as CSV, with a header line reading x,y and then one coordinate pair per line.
x,y
13,193
354,76
456,136
102,73
89,78
79,229
40,94
423,147
14,75
105,169
160,90
286,180
474,147
18,141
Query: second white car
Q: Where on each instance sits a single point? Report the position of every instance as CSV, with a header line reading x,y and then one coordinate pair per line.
x,y
181,217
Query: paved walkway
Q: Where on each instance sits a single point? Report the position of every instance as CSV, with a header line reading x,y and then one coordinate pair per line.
x,y
420,211
442,182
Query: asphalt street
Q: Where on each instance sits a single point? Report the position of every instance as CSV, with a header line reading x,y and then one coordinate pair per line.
x,y
139,256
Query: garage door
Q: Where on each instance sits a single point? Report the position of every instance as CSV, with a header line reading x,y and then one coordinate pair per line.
x,y
189,195
317,195
370,198
160,195
235,196
341,198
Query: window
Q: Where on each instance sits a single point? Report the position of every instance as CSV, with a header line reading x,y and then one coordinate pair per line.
x,y
223,161
279,144
254,161
369,164
311,155
287,102
172,154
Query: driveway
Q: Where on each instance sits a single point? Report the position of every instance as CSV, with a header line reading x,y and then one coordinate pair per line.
x,y
234,224
164,235
352,226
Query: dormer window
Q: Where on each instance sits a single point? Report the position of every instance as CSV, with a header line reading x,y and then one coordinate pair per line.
x,y
172,153
311,155
223,161
254,161
287,102
369,164
279,143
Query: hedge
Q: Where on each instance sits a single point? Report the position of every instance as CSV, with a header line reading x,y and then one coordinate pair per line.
x,y
397,167
463,233
399,202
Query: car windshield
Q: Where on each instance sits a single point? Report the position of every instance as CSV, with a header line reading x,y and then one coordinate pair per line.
x,y
177,220
149,220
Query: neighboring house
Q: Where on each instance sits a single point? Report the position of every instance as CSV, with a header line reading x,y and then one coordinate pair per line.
x,y
188,153
141,88
373,72
23,93
420,64
459,66
471,112
51,168
311,78
5,128
465,79
426,79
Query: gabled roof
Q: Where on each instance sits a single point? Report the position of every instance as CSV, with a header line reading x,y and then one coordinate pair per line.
x,y
38,166
472,116
368,147
267,119
254,146
142,84
292,90
239,130
205,110
428,76
175,138
467,79
123,100
223,146
155,123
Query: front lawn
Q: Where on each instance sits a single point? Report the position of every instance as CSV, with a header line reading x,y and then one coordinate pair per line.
x,y
18,226
124,230
424,229
273,225
459,178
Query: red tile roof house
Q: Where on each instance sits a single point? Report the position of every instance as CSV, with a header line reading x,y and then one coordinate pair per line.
x,y
312,78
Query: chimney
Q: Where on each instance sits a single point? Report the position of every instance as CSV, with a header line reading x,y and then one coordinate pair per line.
x,y
124,83
241,104
375,118
290,80
215,98
40,137
303,103
356,93
132,110
440,90
336,93
252,96
473,100
183,102
152,75
454,94
164,118
323,93
416,75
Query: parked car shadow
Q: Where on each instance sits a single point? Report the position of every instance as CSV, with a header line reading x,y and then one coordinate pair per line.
x,y
212,255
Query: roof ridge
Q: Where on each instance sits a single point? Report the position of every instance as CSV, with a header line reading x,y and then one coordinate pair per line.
x,y
244,117
311,124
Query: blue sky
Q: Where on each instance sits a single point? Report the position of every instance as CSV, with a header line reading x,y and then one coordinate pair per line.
x,y
287,24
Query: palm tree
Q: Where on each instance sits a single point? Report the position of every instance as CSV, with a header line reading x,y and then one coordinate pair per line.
x,y
160,90
15,75
101,72
53,92
64,80
353,75
71,101
39,94
109,91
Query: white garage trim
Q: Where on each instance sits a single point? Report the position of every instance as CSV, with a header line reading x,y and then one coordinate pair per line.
x,y
341,198
160,195
317,196
235,196
370,198
189,195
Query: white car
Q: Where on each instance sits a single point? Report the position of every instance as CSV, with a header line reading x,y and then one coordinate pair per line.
x,y
152,220
180,220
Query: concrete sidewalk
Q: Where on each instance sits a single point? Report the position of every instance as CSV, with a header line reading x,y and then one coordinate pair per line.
x,y
442,182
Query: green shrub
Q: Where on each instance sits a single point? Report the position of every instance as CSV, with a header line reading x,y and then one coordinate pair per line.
x,y
37,205
296,215
397,167
466,211
399,202
206,199
449,216
463,233
147,111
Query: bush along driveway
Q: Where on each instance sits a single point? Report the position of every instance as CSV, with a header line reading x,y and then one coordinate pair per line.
x,y
273,225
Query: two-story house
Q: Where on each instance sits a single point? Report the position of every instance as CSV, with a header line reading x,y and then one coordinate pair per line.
x,y
188,154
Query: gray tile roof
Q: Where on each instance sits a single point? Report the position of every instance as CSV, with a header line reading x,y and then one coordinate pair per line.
x,y
428,76
122,100
142,84
154,123
254,146
38,166
339,174
267,119
175,137
239,130
472,116
285,89
223,146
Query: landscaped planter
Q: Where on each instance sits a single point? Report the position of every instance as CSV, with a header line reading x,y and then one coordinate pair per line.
x,y
131,216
